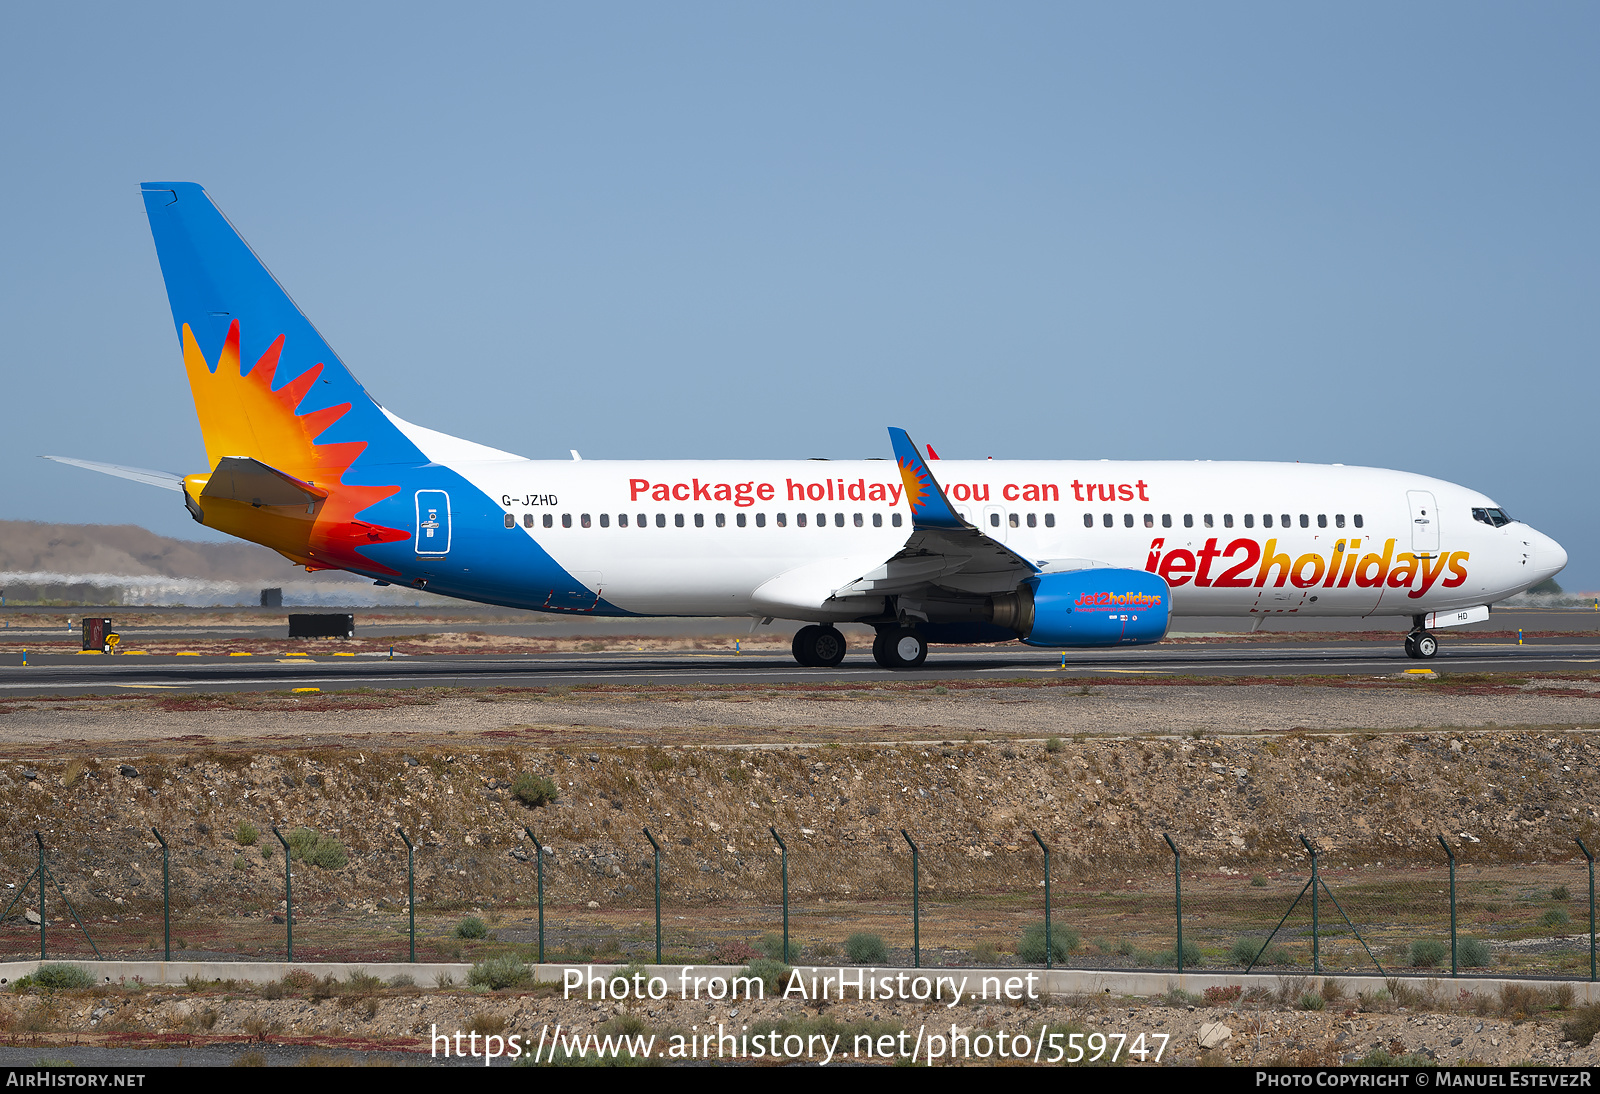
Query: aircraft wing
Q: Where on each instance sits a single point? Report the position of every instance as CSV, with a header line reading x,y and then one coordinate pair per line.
x,y
943,549
164,479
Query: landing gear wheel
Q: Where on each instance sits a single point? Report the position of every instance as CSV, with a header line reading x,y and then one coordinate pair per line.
x,y
818,647
900,648
1421,645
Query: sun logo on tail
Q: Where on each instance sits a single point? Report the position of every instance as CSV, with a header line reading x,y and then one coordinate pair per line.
x,y
242,415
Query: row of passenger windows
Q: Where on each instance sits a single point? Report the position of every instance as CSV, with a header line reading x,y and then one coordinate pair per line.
x,y
1285,520
740,520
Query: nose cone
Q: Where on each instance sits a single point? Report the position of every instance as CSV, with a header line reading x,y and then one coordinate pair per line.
x,y
1548,555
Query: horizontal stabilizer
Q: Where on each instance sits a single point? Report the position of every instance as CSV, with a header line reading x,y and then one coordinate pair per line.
x,y
255,483
164,479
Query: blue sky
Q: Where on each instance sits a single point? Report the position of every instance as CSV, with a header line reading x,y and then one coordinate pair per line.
x,y
1358,233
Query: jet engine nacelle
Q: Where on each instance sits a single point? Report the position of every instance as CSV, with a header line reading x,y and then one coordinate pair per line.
x,y
1098,607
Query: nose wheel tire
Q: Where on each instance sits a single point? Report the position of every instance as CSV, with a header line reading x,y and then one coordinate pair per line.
x,y
901,648
1421,646
818,647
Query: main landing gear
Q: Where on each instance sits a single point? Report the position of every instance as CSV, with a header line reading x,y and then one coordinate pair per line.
x,y
818,647
1421,645
899,648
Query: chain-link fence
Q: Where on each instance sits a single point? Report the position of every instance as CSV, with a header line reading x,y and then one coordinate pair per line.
x,y
293,892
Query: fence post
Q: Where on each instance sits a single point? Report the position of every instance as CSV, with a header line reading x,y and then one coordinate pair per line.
x,y
1316,938
785,849
1177,889
40,840
916,905
1452,856
288,897
657,846
1049,952
539,849
1591,906
411,890
166,897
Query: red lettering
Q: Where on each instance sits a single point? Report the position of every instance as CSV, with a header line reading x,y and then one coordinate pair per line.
x,y
1050,492
680,491
814,491
1368,580
961,492
1176,567
797,490
661,492
1124,492
1207,553
1404,572
637,487
1300,578
1141,484
702,493
980,486
858,490
1010,493
766,491
876,493
724,492
1252,554
1458,568
1430,574
1108,492
1077,490
1155,554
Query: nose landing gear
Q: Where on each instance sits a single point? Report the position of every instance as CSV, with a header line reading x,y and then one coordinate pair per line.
x,y
1421,645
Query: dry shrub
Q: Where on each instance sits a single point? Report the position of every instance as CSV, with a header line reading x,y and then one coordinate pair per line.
x,y
486,1024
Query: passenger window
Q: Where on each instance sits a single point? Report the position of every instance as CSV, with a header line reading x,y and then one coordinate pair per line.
x,y
738,518
1322,520
799,519
1188,520
643,521
1088,520
1208,520
661,520
994,520
1108,520
722,520
1127,520
1266,520
622,520
584,520
1227,520
894,519
605,520
877,520
1149,520
838,520
677,520
1338,520
1286,520
1033,520
858,521
783,520
1166,520
761,520
1249,520
1305,520
549,521
822,520
1012,517
566,520
1359,522
1049,520
527,520
511,521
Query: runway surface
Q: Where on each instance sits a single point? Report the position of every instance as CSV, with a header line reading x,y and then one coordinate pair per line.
x,y
68,674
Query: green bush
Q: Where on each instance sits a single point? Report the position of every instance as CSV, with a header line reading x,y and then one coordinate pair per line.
x,y
772,946
1473,953
534,790
472,927
1425,953
1257,881
1312,1000
506,970
1560,892
1063,940
1169,958
314,849
774,975
1583,1025
1053,745
866,949
246,834
58,975
1245,949
1555,917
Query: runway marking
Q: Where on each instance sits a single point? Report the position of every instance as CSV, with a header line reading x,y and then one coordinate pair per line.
x,y
150,685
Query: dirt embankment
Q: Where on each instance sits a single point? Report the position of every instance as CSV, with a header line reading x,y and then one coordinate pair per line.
x,y
1501,797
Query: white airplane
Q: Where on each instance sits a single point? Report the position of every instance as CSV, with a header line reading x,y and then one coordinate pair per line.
x,y
1068,554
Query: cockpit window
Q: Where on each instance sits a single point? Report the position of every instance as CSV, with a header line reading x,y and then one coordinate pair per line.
x,y
1498,518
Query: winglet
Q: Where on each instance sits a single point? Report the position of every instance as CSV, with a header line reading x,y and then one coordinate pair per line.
x,y
929,507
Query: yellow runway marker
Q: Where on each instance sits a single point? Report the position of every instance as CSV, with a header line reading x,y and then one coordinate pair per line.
x,y
344,655
286,661
149,685
238,654
297,690
187,653
1136,672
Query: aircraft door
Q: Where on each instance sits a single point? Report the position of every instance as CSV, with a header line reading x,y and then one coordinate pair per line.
x,y
1424,522
994,522
433,523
